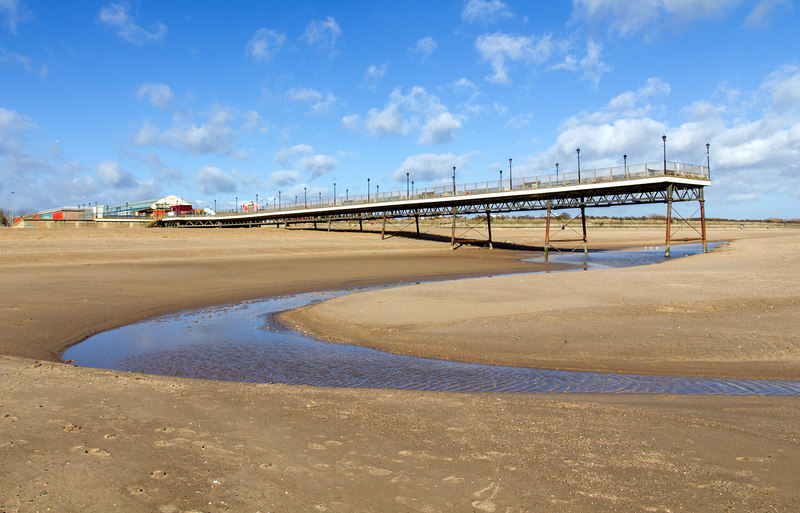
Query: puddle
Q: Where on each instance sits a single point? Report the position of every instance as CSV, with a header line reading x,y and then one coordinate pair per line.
x,y
241,342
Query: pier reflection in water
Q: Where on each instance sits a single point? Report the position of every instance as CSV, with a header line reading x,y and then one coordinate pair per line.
x,y
241,342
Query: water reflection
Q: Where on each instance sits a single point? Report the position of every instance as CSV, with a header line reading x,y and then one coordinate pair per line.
x,y
241,342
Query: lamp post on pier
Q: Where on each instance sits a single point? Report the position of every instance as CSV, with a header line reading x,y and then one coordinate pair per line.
x,y
279,200
334,193
408,191
510,176
367,189
708,160
305,197
664,138
578,151
556,172
625,164
454,180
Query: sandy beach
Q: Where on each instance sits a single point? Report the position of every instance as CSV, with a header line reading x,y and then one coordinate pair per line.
x,y
79,439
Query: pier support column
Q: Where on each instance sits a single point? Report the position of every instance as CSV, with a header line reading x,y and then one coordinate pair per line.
x,y
583,227
453,232
360,225
547,235
416,220
383,228
703,221
329,225
489,227
669,221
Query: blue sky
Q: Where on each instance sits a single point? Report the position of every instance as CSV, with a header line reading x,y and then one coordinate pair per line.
x,y
122,101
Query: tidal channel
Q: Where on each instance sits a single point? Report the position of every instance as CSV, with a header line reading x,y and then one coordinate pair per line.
x,y
242,342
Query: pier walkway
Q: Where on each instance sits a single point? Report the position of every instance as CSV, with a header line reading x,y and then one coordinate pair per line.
x,y
660,182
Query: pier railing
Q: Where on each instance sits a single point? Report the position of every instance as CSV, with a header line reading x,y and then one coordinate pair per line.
x,y
588,176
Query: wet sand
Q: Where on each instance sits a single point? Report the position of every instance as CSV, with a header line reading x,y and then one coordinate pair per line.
x,y
95,440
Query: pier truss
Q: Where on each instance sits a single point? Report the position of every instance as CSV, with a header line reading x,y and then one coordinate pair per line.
x,y
669,183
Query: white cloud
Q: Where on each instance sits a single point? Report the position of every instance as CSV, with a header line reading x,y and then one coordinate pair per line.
x,y
322,33
12,121
499,49
591,64
485,11
284,177
373,75
212,180
264,44
783,87
763,13
159,95
440,128
15,13
388,121
425,47
284,155
631,16
432,166
213,136
253,121
317,165
113,176
416,110
318,101
117,16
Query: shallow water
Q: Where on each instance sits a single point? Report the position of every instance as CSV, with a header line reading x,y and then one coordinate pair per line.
x,y
241,342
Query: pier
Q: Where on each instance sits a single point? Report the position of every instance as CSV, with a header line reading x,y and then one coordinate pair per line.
x,y
659,182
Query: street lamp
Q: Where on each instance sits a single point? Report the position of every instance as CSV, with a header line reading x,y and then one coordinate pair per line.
x,y
334,193
501,178
578,151
556,172
625,163
454,180
279,200
412,186
408,191
367,189
510,176
305,197
664,138
708,161
236,199
347,194
320,198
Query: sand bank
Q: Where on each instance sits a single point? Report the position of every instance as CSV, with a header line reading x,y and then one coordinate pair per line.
x,y
76,439
730,313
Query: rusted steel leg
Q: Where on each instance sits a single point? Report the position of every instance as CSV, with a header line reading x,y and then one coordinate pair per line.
x,y
489,227
383,228
703,222
453,232
329,225
416,219
583,225
360,225
547,235
669,221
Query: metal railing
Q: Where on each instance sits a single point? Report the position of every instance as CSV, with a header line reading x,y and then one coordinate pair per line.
x,y
568,179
